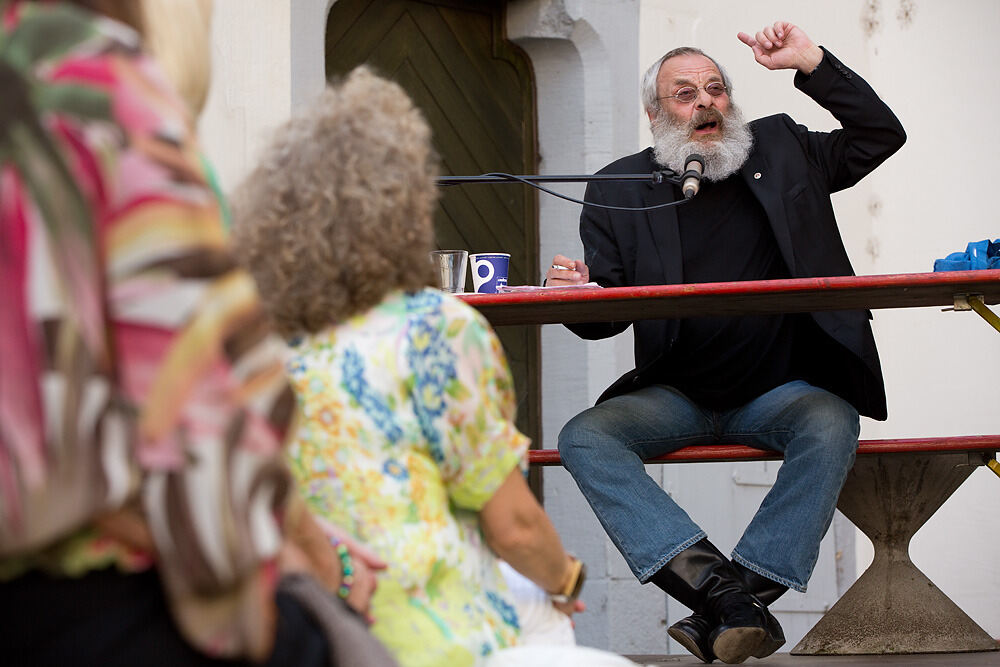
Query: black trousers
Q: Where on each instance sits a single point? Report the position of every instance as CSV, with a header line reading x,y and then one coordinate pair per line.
x,y
109,618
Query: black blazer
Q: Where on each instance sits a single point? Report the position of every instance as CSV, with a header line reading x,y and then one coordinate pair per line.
x,y
792,172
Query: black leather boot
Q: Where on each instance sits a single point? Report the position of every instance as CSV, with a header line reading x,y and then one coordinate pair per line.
x,y
694,631
701,578
767,591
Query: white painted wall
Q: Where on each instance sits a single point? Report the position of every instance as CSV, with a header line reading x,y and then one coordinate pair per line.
x,y
250,93
937,365
267,59
583,54
941,368
932,62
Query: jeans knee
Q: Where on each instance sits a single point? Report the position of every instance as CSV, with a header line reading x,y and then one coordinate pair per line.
x,y
581,434
833,423
572,436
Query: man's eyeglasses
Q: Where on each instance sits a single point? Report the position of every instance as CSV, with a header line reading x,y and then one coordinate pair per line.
x,y
687,95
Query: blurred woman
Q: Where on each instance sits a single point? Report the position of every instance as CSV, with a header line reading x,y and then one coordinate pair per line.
x,y
407,435
143,501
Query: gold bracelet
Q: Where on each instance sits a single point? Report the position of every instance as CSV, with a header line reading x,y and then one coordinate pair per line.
x,y
571,591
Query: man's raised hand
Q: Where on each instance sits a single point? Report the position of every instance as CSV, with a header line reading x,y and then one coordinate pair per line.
x,y
783,46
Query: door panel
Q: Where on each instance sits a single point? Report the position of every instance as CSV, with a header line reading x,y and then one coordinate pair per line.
x,y
477,91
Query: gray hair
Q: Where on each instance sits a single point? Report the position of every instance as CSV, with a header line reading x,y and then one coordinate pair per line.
x,y
648,90
339,211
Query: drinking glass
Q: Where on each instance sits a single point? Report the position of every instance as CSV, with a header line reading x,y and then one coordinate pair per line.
x,y
449,266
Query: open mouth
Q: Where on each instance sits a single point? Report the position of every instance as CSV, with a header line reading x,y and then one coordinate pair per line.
x,y
707,127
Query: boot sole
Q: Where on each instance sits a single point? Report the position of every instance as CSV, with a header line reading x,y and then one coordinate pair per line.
x,y
689,643
768,647
774,640
734,645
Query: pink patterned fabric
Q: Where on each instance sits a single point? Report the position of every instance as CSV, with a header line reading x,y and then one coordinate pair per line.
x,y
137,377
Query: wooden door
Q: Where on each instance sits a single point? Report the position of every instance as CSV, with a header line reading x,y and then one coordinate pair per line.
x,y
477,91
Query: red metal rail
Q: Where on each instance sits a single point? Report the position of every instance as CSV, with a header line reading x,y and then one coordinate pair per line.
x,y
718,453
904,290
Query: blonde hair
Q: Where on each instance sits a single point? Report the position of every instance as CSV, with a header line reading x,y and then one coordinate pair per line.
x,y
126,11
178,35
339,211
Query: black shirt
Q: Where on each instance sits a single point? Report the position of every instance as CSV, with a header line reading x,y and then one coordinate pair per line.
x,y
723,362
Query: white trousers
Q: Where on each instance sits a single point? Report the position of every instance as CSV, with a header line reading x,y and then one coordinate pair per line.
x,y
547,638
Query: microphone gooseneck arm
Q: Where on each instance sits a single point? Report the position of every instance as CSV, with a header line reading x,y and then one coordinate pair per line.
x,y
662,176
656,177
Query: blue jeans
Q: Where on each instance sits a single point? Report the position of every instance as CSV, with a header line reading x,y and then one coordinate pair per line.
x,y
603,448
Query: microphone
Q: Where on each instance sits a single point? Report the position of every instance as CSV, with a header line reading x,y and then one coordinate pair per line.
x,y
691,178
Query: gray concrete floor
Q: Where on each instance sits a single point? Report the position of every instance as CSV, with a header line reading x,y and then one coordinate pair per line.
x,y
788,660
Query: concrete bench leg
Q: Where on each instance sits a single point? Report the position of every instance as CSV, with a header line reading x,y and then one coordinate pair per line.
x,y
893,607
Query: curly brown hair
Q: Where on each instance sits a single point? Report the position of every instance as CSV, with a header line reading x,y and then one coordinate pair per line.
x,y
339,211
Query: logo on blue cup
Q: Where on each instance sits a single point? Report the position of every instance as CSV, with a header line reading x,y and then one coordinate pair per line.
x,y
489,271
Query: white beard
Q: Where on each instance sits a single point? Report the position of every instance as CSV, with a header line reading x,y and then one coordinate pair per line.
x,y
672,144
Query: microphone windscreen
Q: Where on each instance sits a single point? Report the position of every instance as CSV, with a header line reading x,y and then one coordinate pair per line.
x,y
691,178
695,162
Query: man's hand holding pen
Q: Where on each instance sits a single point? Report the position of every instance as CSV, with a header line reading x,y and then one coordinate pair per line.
x,y
566,271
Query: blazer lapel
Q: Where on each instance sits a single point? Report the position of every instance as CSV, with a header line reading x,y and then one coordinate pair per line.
x,y
664,253
664,231
764,185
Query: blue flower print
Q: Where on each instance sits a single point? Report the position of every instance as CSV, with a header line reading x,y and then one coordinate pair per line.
x,y
506,611
424,300
353,369
394,468
295,366
433,367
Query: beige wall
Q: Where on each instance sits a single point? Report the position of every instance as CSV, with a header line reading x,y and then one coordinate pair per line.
x,y
941,368
250,92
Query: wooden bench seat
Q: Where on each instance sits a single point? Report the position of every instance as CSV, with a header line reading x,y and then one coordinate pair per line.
x,y
892,490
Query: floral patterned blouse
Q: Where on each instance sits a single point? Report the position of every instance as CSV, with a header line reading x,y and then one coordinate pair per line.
x,y
406,432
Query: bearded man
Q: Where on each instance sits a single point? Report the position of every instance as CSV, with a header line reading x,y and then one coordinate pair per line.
x,y
791,383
